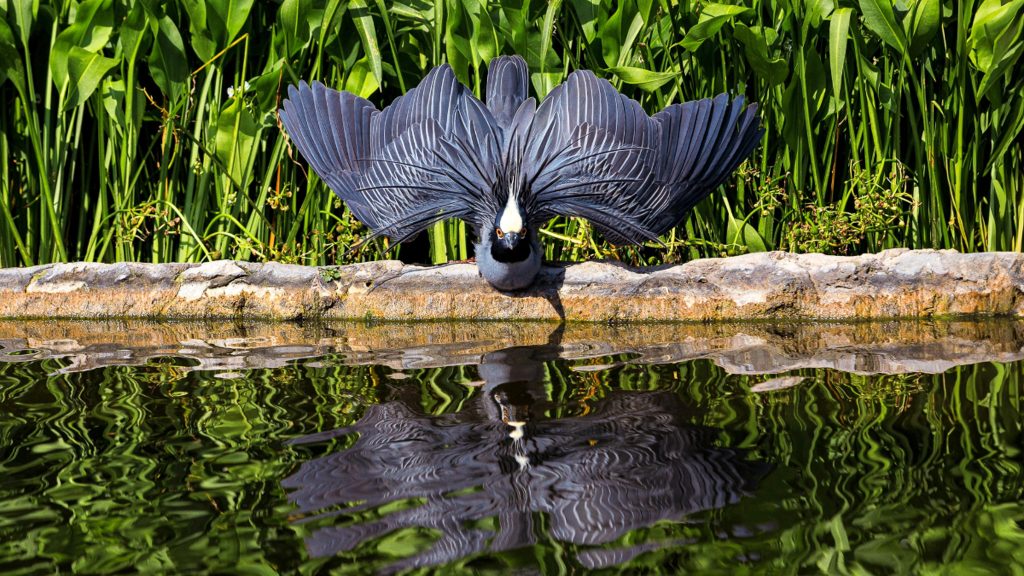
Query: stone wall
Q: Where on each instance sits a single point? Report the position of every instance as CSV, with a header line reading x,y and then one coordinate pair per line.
x,y
892,284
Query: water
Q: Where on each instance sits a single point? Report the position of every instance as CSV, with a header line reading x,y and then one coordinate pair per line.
x,y
505,448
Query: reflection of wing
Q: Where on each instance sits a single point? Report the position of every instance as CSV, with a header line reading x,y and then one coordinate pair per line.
x,y
672,469
594,558
628,464
456,541
591,152
428,156
399,454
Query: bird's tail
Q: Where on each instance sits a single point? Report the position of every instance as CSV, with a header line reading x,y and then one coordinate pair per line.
x,y
508,85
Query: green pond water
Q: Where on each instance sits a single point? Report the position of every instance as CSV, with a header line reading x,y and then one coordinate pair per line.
x,y
322,456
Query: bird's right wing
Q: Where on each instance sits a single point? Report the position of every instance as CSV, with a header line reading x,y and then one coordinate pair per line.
x,y
427,157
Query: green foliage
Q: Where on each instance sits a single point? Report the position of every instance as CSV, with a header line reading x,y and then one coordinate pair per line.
x,y
147,131
879,213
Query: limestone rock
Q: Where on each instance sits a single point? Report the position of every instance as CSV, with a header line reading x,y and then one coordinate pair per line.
x,y
773,285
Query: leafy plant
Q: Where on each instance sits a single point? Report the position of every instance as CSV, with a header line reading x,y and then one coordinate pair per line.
x,y
148,131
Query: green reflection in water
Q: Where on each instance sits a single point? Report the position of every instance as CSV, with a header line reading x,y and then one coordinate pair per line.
x,y
159,469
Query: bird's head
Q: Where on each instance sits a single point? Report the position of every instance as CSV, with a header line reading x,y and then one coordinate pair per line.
x,y
509,242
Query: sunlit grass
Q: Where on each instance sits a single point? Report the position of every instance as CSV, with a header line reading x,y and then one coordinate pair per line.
x,y
148,131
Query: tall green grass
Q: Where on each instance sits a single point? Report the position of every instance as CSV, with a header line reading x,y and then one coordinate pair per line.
x,y
148,131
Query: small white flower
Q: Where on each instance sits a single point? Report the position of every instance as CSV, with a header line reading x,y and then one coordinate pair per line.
x,y
231,89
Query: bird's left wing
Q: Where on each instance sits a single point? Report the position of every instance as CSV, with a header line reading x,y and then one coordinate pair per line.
x,y
586,152
589,151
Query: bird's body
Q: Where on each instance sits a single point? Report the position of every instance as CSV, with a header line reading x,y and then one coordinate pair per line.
x,y
509,166
508,268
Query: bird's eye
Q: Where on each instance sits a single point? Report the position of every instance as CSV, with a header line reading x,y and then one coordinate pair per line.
x,y
522,232
499,232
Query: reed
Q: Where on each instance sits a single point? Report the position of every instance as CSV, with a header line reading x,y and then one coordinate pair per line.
x,y
137,130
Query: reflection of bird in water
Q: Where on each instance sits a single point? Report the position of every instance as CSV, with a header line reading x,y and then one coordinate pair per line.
x,y
630,462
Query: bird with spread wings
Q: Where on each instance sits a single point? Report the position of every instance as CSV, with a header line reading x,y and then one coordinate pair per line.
x,y
508,166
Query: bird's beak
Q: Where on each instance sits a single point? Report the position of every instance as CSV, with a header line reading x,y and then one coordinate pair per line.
x,y
511,239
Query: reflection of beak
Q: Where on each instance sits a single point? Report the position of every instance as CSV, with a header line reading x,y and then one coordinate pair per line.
x,y
510,417
502,408
511,239
512,410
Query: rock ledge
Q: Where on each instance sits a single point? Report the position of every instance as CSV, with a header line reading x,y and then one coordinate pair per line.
x,y
892,284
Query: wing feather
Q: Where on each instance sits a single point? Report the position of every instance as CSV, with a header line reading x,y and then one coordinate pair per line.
x,y
632,175
407,166
333,153
718,158
711,140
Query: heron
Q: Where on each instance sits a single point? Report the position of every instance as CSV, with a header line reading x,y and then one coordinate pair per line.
x,y
510,165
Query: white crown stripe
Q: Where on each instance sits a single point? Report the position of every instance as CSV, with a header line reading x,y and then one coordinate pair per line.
x,y
511,221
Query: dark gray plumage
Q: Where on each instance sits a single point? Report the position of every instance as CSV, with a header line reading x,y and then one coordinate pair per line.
x,y
510,166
